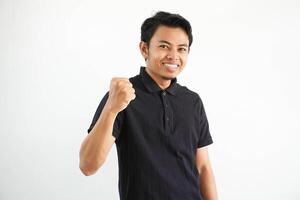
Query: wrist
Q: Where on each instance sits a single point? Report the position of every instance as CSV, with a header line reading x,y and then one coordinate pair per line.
x,y
110,111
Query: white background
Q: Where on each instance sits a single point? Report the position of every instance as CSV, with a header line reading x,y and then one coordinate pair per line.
x,y
57,58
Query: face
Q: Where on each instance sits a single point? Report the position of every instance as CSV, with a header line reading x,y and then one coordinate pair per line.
x,y
166,54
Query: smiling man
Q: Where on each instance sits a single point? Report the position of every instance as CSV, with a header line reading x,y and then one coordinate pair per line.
x,y
159,127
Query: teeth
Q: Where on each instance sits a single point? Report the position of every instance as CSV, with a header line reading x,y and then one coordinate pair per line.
x,y
171,65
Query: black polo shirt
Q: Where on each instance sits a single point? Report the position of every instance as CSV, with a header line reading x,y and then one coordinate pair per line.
x,y
157,136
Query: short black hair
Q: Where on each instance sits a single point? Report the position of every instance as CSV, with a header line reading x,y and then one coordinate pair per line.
x,y
151,24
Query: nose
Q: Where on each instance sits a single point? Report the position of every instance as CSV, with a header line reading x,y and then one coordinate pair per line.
x,y
172,55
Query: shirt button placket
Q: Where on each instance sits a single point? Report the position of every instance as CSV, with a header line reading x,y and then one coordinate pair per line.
x,y
167,118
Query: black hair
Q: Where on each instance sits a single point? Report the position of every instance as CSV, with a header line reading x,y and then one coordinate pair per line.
x,y
151,24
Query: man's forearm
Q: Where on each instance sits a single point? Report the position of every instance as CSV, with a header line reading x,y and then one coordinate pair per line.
x,y
97,144
208,185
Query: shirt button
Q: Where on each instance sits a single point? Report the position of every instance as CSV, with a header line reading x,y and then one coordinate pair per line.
x,y
164,93
167,118
166,105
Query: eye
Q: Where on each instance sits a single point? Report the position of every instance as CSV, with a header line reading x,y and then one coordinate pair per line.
x,y
182,49
163,46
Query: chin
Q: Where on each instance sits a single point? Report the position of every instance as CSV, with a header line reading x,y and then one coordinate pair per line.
x,y
167,78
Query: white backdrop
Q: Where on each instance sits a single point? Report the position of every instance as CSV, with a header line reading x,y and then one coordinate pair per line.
x,y
57,58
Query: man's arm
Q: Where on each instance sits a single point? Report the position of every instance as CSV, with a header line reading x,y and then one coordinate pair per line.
x,y
208,185
97,144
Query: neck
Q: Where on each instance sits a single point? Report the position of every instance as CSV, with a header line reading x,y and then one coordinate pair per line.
x,y
162,83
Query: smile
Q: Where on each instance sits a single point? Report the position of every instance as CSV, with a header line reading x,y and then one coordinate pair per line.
x,y
173,66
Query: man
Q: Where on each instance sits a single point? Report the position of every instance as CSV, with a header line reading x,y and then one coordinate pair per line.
x,y
159,127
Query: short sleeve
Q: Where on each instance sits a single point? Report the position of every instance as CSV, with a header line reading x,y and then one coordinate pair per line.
x,y
118,122
204,138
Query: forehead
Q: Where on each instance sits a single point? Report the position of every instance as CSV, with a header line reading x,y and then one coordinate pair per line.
x,y
173,35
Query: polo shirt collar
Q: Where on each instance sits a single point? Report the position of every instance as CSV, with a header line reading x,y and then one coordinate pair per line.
x,y
152,86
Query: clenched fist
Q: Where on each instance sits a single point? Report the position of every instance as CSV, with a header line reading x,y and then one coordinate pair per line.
x,y
121,93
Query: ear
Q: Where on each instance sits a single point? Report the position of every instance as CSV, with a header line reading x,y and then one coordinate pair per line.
x,y
144,49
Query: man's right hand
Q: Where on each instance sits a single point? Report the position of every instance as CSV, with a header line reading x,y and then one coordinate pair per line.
x,y
97,144
121,92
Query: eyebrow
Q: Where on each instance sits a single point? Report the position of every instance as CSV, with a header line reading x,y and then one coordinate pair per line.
x,y
164,41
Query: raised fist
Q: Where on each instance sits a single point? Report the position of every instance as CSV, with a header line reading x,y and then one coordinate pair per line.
x,y
121,93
